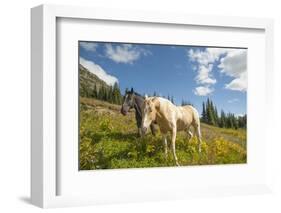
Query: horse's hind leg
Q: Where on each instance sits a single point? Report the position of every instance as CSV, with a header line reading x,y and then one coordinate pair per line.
x,y
173,144
198,135
189,134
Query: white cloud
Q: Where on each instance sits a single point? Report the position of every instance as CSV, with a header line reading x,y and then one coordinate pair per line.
x,y
235,65
203,90
210,55
204,76
232,62
238,84
231,101
98,71
124,53
205,60
89,46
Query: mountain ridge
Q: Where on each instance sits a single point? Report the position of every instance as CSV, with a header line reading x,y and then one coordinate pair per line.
x,y
89,82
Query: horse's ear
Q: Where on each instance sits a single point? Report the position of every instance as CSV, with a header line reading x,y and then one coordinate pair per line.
x,y
145,96
132,90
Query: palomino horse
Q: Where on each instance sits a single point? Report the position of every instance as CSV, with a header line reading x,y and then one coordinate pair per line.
x,y
134,100
170,118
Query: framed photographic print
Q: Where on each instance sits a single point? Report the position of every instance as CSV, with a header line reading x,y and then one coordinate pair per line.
x,y
182,85
130,106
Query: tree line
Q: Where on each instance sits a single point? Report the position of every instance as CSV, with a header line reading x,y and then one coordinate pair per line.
x,y
171,98
111,94
210,115
224,120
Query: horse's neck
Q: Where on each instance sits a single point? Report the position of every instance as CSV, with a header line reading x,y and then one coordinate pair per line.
x,y
138,104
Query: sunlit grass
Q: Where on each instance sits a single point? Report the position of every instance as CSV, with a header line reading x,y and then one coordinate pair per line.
x,y
109,140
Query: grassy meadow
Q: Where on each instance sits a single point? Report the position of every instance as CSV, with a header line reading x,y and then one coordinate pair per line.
x,y
109,140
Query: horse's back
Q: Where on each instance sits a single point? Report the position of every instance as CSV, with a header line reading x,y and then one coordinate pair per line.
x,y
191,114
183,115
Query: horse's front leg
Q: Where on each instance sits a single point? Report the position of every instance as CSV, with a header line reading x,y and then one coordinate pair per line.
x,y
153,128
138,119
199,137
174,135
140,133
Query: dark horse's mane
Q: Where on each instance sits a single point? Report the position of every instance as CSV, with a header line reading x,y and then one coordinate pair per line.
x,y
138,94
135,93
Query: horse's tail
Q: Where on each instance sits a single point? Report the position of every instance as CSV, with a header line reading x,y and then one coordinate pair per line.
x,y
196,117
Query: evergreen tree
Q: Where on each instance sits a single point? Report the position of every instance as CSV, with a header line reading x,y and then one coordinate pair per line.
x,y
100,95
110,95
242,121
210,116
216,116
210,112
172,99
95,92
117,98
204,114
229,123
222,123
234,121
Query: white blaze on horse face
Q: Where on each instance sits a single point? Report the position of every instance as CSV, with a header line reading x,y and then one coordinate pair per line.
x,y
147,116
146,121
126,97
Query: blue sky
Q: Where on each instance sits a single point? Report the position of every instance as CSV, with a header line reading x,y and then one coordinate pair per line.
x,y
184,72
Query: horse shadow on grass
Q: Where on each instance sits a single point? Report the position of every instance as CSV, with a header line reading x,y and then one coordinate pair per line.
x,y
116,136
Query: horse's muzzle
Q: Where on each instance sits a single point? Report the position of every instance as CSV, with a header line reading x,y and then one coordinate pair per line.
x,y
144,130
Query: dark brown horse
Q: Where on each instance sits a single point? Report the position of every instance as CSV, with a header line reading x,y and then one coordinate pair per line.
x,y
135,100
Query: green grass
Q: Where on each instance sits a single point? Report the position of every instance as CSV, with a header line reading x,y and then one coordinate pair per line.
x,y
109,140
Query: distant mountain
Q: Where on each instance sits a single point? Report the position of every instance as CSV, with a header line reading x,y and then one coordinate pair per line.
x,y
89,82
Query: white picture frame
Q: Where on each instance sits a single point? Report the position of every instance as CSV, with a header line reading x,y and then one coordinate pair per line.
x,y
44,155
